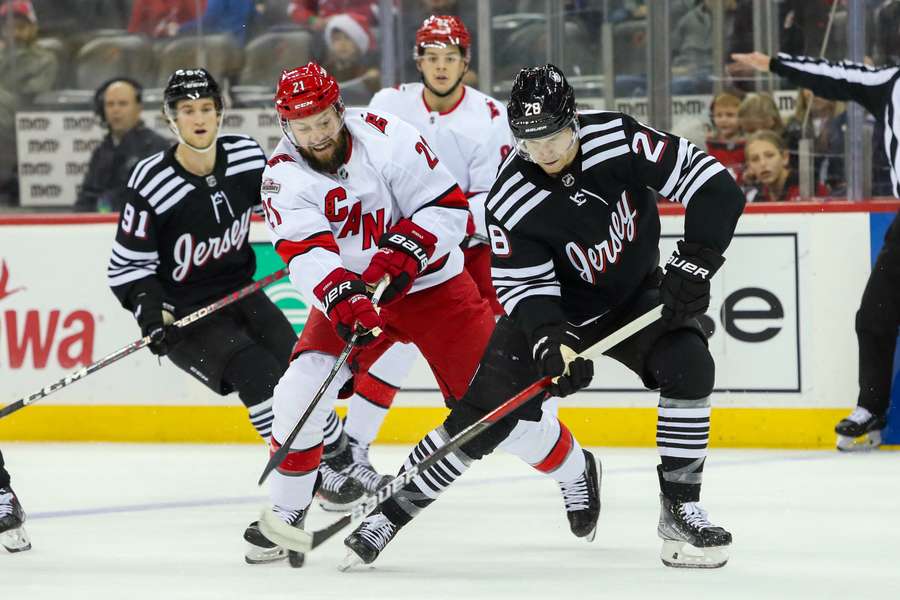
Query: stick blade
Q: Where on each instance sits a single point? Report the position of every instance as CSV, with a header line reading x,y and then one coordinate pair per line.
x,y
284,535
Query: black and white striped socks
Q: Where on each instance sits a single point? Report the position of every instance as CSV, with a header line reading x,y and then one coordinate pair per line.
x,y
261,418
682,437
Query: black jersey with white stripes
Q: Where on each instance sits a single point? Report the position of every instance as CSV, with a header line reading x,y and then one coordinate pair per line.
x,y
876,88
588,238
183,236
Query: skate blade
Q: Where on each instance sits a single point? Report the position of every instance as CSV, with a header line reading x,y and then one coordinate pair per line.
x,y
682,555
591,536
261,556
864,443
281,534
15,540
351,560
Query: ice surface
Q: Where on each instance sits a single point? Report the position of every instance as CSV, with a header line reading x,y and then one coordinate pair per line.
x,y
141,522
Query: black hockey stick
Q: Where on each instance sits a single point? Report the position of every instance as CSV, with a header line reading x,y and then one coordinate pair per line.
x,y
299,540
278,456
137,345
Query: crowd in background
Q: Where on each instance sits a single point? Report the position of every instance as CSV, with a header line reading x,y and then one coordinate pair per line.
x,y
50,45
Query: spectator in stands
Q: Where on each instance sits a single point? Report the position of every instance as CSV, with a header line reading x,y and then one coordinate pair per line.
x,y
825,125
161,18
348,42
225,16
315,14
118,105
691,44
26,69
725,142
759,111
768,166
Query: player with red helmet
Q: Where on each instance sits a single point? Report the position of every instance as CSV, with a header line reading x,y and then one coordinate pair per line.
x,y
469,132
353,196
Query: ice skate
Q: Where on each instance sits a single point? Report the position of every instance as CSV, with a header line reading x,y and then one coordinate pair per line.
x,y
860,431
261,550
338,492
689,539
361,468
582,498
368,540
13,536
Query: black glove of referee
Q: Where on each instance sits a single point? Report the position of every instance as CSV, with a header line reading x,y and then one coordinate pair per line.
x,y
555,359
685,286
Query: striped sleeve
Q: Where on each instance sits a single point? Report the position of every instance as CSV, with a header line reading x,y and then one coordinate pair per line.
x,y
682,172
134,258
844,80
243,154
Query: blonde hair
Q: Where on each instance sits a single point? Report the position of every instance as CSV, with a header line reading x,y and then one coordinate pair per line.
x,y
767,135
726,98
761,106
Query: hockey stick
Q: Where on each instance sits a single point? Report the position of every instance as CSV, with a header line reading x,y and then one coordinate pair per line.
x,y
278,456
299,540
137,345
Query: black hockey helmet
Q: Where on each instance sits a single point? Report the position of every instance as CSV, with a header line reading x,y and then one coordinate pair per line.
x,y
541,102
191,84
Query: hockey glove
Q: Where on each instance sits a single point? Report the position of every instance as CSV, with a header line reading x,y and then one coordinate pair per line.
x,y
685,286
555,359
348,306
403,254
156,323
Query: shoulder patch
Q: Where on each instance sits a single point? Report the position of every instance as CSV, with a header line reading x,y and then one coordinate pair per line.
x,y
270,186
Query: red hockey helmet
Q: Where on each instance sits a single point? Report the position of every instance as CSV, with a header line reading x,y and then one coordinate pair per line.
x,y
305,91
440,31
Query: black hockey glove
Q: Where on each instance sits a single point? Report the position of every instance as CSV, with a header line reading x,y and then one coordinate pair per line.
x,y
685,286
149,315
555,359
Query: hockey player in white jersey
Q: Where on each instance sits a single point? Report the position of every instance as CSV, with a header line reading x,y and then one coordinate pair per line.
x,y
352,197
469,133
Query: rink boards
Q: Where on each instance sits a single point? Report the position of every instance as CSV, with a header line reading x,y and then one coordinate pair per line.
x,y
781,319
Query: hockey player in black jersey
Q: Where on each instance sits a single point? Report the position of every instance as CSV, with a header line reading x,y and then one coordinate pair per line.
x,y
574,231
182,242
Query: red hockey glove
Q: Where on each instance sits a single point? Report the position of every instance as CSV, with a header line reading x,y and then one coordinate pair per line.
x,y
403,254
685,289
348,306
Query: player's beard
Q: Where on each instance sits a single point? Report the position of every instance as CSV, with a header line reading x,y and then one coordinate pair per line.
x,y
333,162
443,94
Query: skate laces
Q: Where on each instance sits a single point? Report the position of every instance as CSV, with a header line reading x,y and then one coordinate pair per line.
x,y
860,415
7,506
576,494
365,474
332,480
288,516
694,516
377,530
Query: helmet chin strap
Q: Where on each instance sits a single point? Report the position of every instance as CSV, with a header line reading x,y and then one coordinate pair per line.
x,y
448,92
177,133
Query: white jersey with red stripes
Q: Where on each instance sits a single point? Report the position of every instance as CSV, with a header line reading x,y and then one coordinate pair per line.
x,y
471,139
319,222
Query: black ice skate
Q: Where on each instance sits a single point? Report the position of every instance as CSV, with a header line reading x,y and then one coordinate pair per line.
x,y
338,492
582,498
12,523
361,468
368,540
860,431
689,539
261,550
